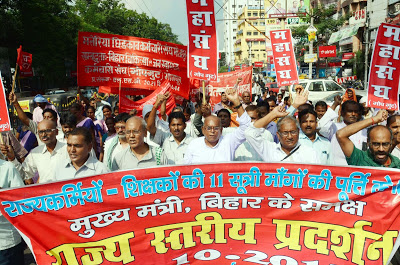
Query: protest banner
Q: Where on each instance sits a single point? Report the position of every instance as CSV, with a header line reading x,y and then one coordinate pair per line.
x,y
126,91
284,58
202,47
383,86
126,105
226,213
24,61
225,81
107,60
5,124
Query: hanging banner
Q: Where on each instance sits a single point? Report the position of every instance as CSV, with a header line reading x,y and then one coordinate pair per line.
x,y
24,61
227,213
106,59
126,105
5,124
202,47
126,91
225,81
284,58
383,85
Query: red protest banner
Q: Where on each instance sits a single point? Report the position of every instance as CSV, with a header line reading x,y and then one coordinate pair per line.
x,y
226,80
126,105
106,59
383,83
24,60
253,213
5,124
284,58
327,51
202,47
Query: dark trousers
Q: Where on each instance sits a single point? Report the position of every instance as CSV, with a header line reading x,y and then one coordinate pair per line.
x,y
13,256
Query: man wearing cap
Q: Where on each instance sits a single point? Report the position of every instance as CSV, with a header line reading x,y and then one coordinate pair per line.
x,y
41,104
368,112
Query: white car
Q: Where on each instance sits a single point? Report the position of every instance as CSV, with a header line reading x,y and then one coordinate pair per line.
x,y
321,88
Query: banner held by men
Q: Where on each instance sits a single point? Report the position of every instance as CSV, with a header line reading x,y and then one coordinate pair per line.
x,y
108,60
260,213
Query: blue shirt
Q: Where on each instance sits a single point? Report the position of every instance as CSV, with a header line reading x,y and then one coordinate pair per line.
x,y
321,145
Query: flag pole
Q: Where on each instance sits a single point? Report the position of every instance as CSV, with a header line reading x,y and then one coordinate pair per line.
x,y
119,98
204,92
15,77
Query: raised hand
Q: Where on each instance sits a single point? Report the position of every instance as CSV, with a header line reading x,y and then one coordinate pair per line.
x,y
13,98
233,95
381,116
279,112
301,96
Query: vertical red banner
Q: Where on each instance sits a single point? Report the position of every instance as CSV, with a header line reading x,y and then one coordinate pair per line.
x,y
5,124
383,74
284,58
202,47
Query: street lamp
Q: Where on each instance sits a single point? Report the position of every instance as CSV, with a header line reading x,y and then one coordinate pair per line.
x,y
249,44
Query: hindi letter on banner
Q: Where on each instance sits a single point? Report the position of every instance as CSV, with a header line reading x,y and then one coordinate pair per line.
x,y
108,60
202,47
284,58
383,86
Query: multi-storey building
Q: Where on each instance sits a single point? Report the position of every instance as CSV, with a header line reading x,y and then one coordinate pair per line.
x,y
231,8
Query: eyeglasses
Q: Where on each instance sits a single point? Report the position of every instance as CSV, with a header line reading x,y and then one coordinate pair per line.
x,y
286,134
211,128
129,132
46,131
377,145
119,127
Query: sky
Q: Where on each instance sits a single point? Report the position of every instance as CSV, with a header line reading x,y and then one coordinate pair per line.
x,y
173,12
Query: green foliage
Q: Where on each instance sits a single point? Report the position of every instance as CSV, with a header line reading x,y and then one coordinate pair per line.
x,y
49,30
223,69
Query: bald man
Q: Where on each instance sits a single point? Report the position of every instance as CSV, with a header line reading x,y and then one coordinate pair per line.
x,y
139,154
213,147
43,158
379,140
246,99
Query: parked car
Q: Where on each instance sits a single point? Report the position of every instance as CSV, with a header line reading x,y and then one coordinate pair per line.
x,y
322,88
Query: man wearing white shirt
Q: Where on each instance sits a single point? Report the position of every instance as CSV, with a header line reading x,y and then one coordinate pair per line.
x,y
288,149
80,163
213,147
43,158
309,137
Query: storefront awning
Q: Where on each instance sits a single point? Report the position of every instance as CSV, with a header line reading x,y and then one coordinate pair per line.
x,y
343,34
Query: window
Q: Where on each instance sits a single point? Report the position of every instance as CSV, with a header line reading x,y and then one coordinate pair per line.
x,y
255,24
264,55
249,33
255,14
316,86
234,30
234,22
262,42
262,23
240,6
234,38
332,86
255,33
233,6
249,14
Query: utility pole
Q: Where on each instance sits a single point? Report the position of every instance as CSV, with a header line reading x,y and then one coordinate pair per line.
x,y
311,46
366,41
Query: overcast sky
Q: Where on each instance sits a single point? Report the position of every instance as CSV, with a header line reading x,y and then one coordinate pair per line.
x,y
173,12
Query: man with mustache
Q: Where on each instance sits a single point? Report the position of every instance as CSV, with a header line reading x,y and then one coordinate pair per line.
x,y
379,142
116,144
288,149
309,137
139,154
393,123
351,113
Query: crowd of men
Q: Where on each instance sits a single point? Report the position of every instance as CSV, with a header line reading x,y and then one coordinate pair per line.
x,y
267,127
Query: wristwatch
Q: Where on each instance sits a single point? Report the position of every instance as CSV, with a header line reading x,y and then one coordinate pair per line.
x,y
238,106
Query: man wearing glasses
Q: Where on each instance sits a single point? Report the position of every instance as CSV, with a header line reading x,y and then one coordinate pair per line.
x,y
43,158
213,146
379,140
288,149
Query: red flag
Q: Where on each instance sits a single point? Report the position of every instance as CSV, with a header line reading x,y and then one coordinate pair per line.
x,y
24,61
383,75
202,47
126,105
